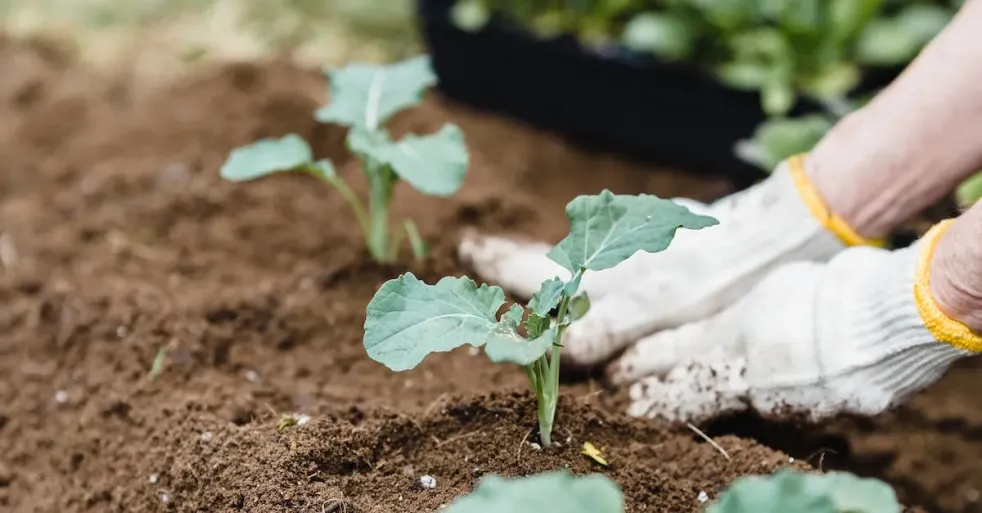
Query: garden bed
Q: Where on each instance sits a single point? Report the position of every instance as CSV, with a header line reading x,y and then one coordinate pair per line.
x,y
119,239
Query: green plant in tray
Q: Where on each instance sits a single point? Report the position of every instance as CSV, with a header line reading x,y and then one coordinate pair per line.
x,y
363,97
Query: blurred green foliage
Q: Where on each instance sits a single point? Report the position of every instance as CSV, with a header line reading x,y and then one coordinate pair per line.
x,y
782,49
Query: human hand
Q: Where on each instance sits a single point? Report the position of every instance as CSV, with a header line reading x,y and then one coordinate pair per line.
x,y
813,338
702,272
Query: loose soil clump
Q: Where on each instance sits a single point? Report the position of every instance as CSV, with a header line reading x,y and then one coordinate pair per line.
x,y
121,247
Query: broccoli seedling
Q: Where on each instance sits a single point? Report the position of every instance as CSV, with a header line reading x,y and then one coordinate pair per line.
x,y
789,490
408,319
363,97
784,491
552,491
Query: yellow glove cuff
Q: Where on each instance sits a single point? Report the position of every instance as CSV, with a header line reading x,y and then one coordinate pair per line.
x,y
814,202
943,328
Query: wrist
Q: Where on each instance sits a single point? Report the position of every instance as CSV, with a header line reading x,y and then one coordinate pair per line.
x,y
876,170
942,299
955,273
820,210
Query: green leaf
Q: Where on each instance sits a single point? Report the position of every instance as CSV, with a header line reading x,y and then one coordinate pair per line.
x,y
541,306
408,319
779,138
970,191
322,169
537,324
777,97
662,34
266,156
834,81
848,17
579,306
789,490
886,43
924,21
366,95
470,15
744,75
553,491
433,164
548,296
803,16
504,344
607,228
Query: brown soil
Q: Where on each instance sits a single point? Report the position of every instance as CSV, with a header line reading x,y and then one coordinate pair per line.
x,y
128,243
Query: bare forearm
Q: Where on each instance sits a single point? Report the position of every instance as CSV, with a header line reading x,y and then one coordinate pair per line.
x,y
914,142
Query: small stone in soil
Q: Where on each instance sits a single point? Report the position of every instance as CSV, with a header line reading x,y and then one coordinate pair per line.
x,y
153,478
703,497
251,376
972,495
207,436
428,482
61,397
164,498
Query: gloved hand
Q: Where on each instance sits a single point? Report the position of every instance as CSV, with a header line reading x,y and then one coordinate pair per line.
x,y
778,220
858,334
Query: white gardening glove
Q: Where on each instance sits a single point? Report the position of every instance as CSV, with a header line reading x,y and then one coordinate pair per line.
x,y
702,271
849,335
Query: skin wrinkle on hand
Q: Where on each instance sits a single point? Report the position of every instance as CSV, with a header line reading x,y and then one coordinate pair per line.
x,y
956,272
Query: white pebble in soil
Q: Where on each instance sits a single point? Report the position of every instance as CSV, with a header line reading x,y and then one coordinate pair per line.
x,y
301,419
207,436
164,498
251,376
972,495
153,478
61,397
703,497
428,482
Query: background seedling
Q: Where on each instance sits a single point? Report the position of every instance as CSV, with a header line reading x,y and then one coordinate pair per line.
x,y
363,97
787,490
783,492
408,319
553,491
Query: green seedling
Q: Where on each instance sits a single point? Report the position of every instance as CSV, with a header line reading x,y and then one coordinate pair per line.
x,y
363,98
783,492
553,491
408,319
787,490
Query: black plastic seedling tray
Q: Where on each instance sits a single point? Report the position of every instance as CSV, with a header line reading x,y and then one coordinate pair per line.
x,y
666,114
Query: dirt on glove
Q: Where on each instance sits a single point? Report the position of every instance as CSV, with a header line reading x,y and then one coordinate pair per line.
x,y
173,342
